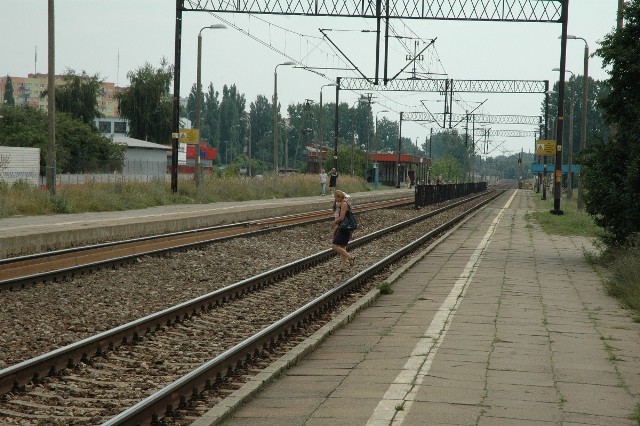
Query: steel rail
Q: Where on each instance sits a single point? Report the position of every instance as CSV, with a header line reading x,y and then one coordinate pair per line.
x,y
14,377
20,272
179,393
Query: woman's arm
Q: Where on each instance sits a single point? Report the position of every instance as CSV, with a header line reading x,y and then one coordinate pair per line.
x,y
343,211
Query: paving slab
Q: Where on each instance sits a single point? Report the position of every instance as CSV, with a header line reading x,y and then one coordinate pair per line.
x,y
501,324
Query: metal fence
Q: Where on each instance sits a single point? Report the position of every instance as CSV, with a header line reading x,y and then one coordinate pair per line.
x,y
132,171
431,194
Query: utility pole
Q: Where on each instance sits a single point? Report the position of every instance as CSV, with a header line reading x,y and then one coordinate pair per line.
x,y
51,104
366,171
399,152
430,158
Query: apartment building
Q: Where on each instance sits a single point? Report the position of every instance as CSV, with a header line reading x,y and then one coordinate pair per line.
x,y
28,91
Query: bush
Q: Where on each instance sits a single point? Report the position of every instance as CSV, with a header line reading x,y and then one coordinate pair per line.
x,y
24,199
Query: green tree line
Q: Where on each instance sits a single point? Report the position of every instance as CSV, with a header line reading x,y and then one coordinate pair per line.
x,y
237,128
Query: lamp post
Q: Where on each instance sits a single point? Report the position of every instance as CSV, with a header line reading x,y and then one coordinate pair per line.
x,y
354,132
353,135
570,153
247,119
583,113
322,112
430,158
557,175
399,151
376,171
196,172
275,115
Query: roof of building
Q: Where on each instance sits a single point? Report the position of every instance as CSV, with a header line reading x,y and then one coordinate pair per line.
x,y
137,143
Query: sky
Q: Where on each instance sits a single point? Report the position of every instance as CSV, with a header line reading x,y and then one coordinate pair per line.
x,y
112,38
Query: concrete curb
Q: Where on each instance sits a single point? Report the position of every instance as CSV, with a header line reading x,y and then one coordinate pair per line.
x,y
231,403
44,233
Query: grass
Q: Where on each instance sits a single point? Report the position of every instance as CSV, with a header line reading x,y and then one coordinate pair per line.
x,y
636,415
624,283
22,199
622,263
385,288
571,222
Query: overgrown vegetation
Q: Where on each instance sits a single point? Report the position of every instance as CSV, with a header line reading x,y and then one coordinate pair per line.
x,y
385,288
25,200
624,283
572,222
622,262
612,168
80,147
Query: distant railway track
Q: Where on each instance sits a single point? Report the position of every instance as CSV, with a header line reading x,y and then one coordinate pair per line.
x,y
20,272
34,382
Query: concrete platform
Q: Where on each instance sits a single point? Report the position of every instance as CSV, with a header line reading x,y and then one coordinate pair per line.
x,y
501,325
33,234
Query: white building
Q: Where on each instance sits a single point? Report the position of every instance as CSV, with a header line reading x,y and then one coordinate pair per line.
x,y
142,157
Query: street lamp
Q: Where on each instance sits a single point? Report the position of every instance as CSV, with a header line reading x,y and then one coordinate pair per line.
x,y
376,172
199,95
430,158
322,113
247,119
275,115
583,113
354,133
570,153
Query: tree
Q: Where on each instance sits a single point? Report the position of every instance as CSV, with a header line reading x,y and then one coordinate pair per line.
x,y
147,103
80,148
78,96
597,129
261,124
388,132
211,117
231,129
449,168
209,114
8,92
190,111
612,170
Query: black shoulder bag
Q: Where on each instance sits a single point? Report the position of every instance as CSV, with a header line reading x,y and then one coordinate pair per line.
x,y
349,222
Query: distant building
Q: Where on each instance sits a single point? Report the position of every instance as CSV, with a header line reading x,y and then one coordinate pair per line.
x,y
112,125
142,157
316,156
28,91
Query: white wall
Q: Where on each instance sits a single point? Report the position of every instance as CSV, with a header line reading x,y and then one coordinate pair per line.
x,y
19,164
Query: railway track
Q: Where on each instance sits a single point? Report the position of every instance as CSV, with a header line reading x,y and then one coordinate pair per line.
x,y
80,371
20,272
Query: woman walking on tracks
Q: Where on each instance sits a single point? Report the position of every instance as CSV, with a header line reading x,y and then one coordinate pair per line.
x,y
341,236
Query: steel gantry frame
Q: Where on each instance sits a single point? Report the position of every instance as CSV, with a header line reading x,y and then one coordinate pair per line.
x,y
447,87
477,10
553,11
478,118
444,85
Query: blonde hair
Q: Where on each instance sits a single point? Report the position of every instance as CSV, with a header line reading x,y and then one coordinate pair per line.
x,y
344,196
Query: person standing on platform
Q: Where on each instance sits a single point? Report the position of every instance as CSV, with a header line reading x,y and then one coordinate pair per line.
x,y
323,182
341,237
333,180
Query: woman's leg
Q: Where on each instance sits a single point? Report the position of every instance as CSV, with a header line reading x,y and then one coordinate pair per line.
x,y
342,251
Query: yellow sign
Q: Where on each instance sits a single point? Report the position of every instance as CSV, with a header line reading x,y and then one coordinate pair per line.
x,y
546,147
189,136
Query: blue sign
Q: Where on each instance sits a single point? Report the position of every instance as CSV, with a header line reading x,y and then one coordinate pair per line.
x,y
539,168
